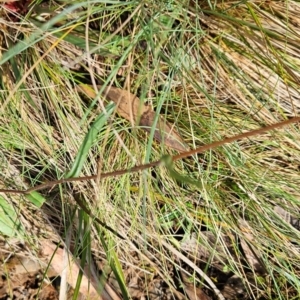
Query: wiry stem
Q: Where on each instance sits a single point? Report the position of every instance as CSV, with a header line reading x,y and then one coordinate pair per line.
x,y
158,162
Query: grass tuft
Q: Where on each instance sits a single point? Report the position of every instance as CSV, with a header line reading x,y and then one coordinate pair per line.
x,y
213,69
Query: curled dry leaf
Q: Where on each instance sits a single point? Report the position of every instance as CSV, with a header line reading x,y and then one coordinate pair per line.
x,y
131,108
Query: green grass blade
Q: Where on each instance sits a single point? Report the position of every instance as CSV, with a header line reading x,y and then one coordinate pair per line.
x,y
38,35
36,198
88,141
9,223
167,160
83,218
115,265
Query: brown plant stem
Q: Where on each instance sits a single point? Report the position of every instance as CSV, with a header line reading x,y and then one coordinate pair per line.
x,y
158,162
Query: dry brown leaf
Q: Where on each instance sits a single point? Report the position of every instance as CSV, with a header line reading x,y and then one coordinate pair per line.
x,y
132,109
54,255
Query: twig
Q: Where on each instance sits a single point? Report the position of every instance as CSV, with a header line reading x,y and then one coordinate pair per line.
x,y
158,162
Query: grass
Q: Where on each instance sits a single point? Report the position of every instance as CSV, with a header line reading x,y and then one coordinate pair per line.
x,y
213,69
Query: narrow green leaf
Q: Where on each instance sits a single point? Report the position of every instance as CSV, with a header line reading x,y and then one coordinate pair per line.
x,y
36,198
9,222
167,160
115,265
89,141
37,35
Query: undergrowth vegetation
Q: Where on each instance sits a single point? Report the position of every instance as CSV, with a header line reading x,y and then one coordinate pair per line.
x,y
227,225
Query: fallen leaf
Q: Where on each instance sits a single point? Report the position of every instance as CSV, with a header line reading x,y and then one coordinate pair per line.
x,y
132,109
54,256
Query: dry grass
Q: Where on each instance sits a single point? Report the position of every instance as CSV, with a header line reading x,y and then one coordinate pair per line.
x,y
213,70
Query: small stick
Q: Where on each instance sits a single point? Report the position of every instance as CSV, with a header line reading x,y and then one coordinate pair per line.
x,y
158,162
